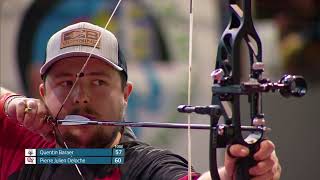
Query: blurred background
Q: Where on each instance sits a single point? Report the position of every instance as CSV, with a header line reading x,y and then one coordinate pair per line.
x,y
154,37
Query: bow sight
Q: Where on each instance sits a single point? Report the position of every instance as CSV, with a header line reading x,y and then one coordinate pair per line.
x,y
288,85
227,89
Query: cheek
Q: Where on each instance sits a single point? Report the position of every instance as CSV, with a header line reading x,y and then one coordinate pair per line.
x,y
111,106
52,102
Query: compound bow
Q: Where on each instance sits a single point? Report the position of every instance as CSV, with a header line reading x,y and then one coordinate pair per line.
x,y
226,90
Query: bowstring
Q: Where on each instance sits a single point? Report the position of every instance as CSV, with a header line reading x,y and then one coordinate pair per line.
x,y
189,86
80,74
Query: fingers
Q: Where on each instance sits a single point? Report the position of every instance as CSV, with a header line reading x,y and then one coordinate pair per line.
x,y
236,151
277,167
32,114
40,124
265,150
19,107
267,166
262,167
265,176
232,154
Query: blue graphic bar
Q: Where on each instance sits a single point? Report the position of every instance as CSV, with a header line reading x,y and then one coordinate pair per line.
x,y
79,152
117,152
78,160
117,160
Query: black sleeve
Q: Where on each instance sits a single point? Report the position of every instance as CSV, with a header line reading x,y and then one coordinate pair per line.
x,y
145,162
128,135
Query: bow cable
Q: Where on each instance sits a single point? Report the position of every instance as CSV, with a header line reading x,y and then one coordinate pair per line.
x,y
81,74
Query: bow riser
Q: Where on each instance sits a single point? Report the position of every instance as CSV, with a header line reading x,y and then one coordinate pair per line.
x,y
227,87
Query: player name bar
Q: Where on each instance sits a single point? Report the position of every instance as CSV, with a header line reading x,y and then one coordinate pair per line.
x,y
79,152
79,160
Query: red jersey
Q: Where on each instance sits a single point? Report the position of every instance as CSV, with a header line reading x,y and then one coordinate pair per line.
x,y
142,161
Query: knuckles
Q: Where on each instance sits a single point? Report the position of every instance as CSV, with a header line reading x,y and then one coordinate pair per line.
x,y
20,102
32,104
269,144
34,120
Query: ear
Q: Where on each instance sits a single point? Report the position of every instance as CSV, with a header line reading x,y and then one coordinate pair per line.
x,y
42,90
127,91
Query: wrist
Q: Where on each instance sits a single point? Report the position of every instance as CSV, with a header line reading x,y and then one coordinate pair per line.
x,y
4,103
223,174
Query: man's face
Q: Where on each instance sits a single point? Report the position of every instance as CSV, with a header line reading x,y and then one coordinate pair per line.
x,y
98,95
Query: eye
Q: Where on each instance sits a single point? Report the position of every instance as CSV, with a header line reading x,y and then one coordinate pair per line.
x,y
66,83
99,82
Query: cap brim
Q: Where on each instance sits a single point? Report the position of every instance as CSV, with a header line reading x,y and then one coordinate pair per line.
x,y
49,63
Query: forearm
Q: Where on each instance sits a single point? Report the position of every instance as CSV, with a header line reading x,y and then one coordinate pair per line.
x,y
6,96
4,91
3,97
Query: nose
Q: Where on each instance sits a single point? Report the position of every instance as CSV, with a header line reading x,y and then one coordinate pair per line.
x,y
80,95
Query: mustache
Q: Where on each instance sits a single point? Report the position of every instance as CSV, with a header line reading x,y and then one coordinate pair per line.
x,y
84,110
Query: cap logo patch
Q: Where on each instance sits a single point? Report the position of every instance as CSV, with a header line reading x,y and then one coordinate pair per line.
x,y
80,37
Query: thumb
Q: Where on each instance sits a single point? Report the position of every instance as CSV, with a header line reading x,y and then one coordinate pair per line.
x,y
49,136
47,132
232,154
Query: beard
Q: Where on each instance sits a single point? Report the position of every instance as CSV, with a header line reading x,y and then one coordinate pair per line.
x,y
100,137
88,136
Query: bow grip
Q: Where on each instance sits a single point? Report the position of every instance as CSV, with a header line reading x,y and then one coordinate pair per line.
x,y
244,164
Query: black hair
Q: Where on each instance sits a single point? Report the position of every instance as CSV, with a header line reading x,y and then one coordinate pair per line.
x,y
123,64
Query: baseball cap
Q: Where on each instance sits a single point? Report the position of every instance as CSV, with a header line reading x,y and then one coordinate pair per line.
x,y
79,40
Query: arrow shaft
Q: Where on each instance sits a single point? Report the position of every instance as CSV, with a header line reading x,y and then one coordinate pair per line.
x,y
152,125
